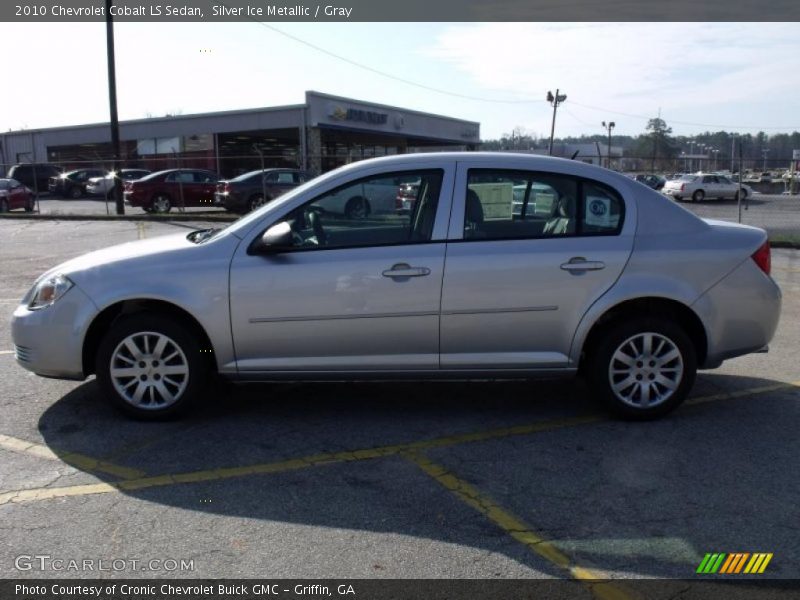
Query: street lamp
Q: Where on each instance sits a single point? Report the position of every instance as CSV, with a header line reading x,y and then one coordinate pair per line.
x,y
609,127
555,101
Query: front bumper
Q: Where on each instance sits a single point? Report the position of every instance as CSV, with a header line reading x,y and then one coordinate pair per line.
x,y
49,341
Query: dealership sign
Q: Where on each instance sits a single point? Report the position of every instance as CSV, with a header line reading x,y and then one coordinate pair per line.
x,y
340,113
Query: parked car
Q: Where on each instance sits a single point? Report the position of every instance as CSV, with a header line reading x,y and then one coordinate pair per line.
x,y
73,183
160,191
618,283
14,194
654,182
103,186
34,175
705,185
406,197
246,192
758,177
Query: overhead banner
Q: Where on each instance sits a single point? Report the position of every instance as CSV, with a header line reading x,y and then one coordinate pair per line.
x,y
405,11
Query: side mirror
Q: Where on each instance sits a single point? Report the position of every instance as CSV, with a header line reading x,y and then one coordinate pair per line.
x,y
277,238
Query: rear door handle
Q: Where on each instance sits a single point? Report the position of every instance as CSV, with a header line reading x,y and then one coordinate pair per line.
x,y
578,263
402,270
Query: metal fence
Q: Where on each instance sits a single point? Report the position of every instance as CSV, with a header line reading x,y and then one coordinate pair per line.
x,y
773,205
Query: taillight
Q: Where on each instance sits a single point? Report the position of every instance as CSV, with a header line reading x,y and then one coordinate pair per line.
x,y
226,188
763,258
683,186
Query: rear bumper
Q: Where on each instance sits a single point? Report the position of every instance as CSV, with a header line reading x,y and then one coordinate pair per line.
x,y
740,313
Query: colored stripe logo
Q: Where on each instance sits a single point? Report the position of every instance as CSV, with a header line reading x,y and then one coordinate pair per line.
x,y
734,563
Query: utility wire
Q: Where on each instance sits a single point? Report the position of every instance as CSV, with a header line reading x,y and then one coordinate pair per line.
x,y
494,100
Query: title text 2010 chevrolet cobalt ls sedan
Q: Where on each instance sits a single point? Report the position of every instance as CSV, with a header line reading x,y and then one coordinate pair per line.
x,y
591,273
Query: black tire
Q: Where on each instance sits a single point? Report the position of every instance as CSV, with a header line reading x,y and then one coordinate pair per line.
x,y
75,192
625,339
698,196
152,405
736,195
161,204
3,206
255,202
357,208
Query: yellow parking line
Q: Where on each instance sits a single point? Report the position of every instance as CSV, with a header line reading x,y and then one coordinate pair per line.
x,y
81,461
338,457
517,528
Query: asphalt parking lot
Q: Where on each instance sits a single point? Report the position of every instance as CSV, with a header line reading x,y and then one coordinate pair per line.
x,y
493,479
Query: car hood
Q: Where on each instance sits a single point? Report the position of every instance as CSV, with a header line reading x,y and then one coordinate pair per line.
x,y
140,250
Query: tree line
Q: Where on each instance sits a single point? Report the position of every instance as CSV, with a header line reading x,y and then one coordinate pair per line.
x,y
658,142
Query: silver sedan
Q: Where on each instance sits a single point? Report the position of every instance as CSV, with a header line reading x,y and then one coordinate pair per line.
x,y
507,266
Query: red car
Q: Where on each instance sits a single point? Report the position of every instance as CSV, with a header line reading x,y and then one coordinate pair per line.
x,y
160,191
13,195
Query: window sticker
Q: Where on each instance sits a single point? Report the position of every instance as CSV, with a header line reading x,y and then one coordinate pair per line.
x,y
598,212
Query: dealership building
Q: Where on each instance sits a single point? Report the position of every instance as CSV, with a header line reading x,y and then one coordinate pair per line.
x,y
323,133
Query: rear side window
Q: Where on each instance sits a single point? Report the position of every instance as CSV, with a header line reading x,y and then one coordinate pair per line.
x,y
502,204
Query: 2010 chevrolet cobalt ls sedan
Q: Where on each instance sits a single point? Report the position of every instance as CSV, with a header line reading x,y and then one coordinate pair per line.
x,y
507,265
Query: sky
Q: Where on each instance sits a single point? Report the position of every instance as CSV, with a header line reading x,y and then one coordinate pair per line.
x,y
742,77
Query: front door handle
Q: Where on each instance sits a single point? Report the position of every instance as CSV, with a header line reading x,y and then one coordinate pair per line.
x,y
579,263
402,270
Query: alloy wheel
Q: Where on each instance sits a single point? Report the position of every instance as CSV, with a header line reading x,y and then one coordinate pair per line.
x,y
645,370
149,370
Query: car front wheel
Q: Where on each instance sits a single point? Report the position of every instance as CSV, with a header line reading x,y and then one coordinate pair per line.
x,y
698,196
643,368
75,192
151,367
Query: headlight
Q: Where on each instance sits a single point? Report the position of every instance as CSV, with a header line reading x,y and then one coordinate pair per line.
x,y
47,291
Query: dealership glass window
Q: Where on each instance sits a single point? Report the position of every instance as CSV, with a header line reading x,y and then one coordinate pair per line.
x,y
371,212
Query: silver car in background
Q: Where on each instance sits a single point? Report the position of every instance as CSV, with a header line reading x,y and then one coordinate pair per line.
x,y
700,186
602,277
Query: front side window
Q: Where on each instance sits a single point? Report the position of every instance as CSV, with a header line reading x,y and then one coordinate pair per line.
x,y
502,204
368,213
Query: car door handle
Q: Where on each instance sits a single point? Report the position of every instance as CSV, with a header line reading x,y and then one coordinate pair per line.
x,y
406,270
578,263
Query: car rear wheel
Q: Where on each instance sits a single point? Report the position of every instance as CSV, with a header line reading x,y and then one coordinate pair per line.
x,y
357,208
642,368
256,202
162,203
151,367
75,192
698,196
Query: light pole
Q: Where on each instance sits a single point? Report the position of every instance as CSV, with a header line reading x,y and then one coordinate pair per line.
x,y
609,126
716,155
112,102
764,153
555,101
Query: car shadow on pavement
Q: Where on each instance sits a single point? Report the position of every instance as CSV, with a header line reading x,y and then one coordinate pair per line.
x,y
643,498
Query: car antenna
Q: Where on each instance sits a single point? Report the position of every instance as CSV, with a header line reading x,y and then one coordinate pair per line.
x,y
575,154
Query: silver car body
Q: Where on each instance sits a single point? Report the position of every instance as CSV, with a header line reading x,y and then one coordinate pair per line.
x,y
513,306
